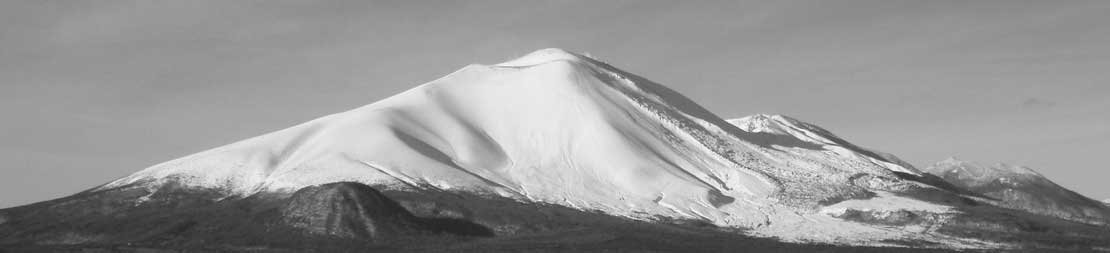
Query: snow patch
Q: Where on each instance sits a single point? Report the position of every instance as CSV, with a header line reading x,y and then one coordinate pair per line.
x,y
885,202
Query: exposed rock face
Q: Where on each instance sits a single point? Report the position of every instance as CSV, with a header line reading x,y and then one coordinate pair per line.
x,y
893,218
1021,188
349,210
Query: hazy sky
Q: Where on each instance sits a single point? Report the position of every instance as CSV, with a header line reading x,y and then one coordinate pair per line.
x,y
94,90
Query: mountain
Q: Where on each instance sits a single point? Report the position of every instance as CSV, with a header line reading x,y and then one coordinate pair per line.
x,y
1021,188
527,128
551,148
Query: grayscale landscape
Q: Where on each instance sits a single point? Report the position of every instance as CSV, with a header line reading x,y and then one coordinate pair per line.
x,y
343,127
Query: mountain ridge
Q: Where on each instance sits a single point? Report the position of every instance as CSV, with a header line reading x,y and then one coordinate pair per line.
x,y
819,137
1022,188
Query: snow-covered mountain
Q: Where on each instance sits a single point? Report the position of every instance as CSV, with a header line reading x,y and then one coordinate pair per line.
x,y
556,127
546,138
1021,187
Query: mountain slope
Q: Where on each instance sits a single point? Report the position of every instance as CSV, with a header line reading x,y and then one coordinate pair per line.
x,y
788,132
1021,188
805,141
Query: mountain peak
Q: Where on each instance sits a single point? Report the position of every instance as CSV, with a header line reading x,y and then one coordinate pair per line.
x,y
765,116
952,159
543,56
956,165
766,123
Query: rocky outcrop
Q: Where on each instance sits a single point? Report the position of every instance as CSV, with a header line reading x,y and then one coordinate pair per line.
x,y
354,210
347,210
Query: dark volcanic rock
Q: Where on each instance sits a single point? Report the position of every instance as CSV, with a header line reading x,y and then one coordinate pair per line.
x,y
339,215
354,210
892,218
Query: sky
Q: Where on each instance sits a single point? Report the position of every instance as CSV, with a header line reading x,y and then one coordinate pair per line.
x,y
93,91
